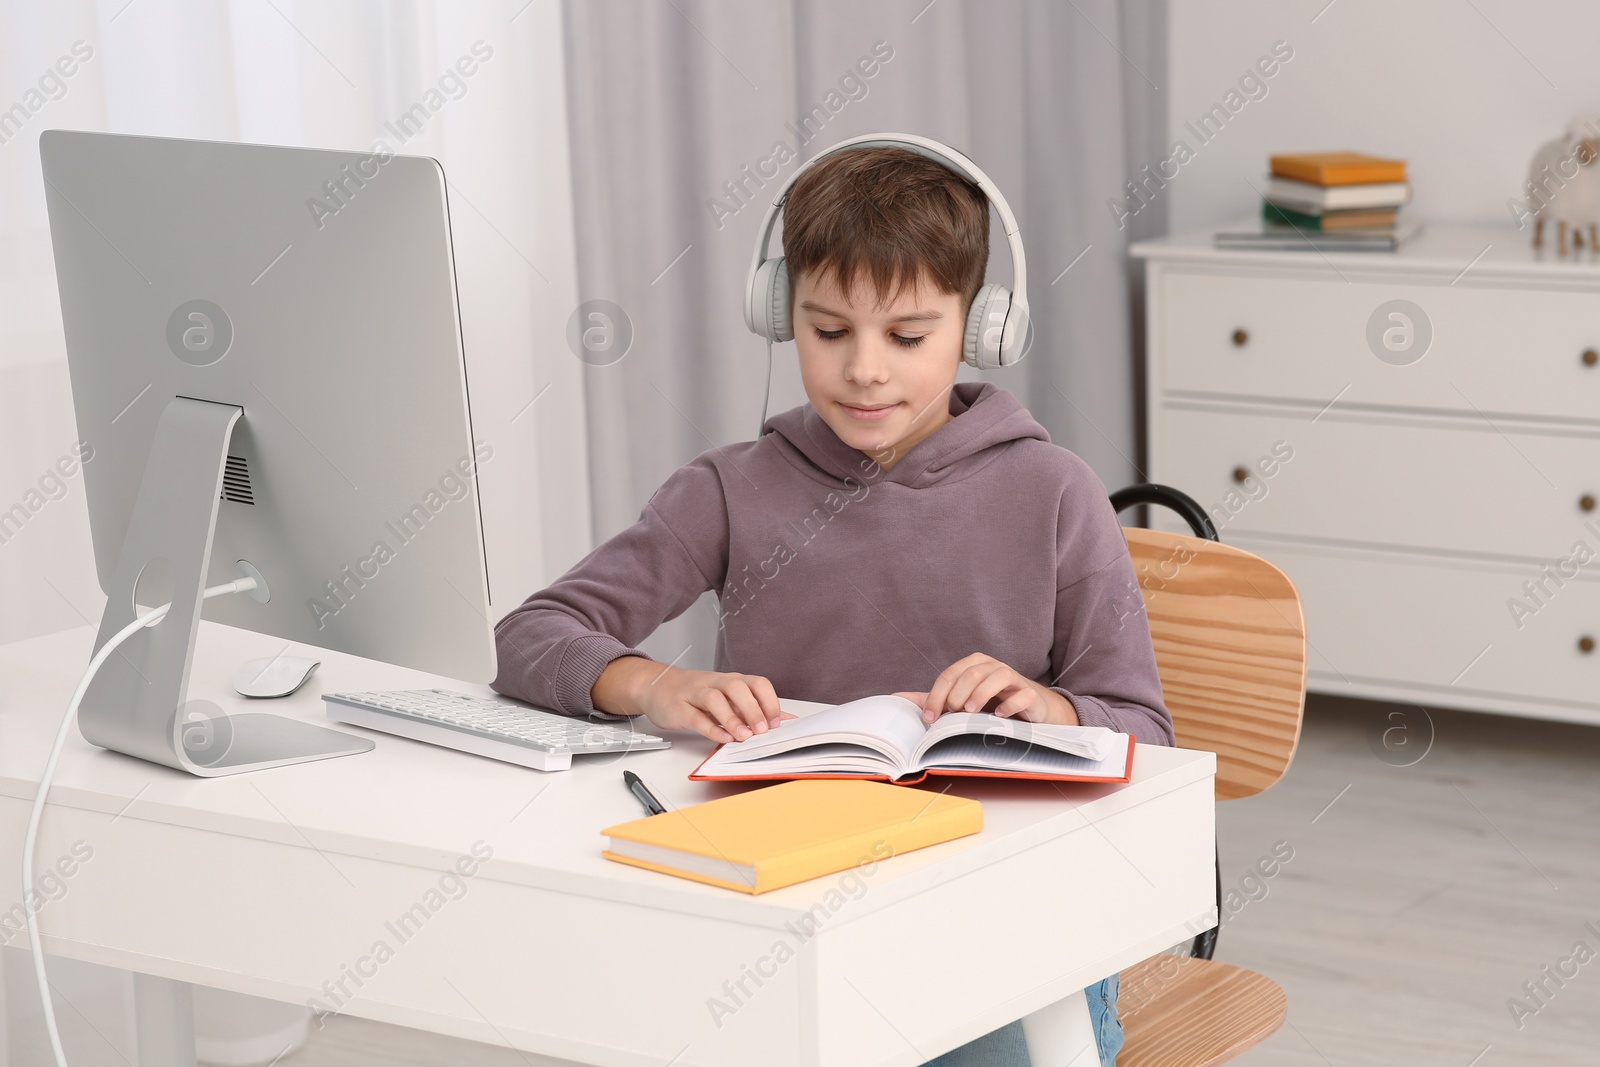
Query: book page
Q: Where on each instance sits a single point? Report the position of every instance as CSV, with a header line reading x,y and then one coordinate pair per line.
x,y
981,752
997,733
885,724
823,758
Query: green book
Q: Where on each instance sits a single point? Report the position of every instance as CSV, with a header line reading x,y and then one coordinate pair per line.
x,y
1352,219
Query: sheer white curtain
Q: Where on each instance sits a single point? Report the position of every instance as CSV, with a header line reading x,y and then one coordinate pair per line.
x,y
325,75
315,73
687,117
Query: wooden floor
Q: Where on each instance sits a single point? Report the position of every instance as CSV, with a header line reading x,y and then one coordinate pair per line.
x,y
1419,903
1419,899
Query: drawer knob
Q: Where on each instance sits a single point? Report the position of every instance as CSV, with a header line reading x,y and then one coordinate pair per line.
x,y
1586,502
1585,644
1590,357
1240,338
1241,475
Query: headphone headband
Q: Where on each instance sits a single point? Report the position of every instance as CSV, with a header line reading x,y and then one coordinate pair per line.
x,y
939,153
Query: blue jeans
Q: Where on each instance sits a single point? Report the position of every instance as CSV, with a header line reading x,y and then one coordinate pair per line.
x,y
1006,1047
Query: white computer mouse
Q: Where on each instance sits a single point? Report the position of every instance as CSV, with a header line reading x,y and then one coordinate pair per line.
x,y
275,677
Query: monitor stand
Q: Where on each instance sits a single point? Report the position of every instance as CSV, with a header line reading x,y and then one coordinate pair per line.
x,y
137,703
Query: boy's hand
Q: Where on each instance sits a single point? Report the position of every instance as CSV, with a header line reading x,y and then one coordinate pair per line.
x,y
723,707
983,683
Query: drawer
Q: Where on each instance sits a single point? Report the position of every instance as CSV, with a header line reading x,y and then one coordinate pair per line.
x,y
1508,351
1464,487
1447,627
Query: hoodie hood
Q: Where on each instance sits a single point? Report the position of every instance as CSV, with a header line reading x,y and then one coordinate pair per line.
x,y
984,420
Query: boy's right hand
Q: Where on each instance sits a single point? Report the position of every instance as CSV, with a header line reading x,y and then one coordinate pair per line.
x,y
722,707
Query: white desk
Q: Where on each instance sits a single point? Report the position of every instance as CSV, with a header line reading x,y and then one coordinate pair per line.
x,y
280,882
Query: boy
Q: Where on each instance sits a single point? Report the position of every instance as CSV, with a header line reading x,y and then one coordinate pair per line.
x,y
898,533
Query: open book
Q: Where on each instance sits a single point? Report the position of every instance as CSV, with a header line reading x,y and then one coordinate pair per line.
x,y
884,737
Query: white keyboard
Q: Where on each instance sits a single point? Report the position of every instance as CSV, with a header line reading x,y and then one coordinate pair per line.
x,y
499,729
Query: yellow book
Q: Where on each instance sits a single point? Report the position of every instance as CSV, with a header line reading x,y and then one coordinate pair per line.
x,y
1338,168
768,838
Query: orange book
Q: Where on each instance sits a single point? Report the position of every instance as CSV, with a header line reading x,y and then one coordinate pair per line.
x,y
766,839
1338,168
883,738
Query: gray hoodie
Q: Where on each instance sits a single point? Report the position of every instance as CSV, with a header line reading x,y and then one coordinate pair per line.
x,y
838,579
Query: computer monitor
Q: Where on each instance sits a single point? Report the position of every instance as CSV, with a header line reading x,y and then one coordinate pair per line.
x,y
266,359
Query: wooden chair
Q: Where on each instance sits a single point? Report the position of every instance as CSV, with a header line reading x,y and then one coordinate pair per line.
x,y
1230,647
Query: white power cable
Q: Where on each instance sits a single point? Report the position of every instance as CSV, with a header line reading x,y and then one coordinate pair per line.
x,y
149,618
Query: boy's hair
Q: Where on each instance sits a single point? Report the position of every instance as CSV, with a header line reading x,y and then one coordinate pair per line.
x,y
894,214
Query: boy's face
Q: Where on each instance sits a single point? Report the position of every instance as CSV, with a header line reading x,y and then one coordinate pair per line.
x,y
880,377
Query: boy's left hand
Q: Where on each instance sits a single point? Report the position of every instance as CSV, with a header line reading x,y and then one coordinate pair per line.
x,y
983,683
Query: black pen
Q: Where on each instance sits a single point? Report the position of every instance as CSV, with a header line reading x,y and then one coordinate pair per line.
x,y
652,806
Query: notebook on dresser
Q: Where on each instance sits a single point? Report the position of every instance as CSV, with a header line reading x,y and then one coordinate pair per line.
x,y
884,738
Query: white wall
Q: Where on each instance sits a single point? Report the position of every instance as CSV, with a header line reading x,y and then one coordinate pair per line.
x,y
1464,91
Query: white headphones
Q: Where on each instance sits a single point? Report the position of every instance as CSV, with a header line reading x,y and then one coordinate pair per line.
x,y
997,323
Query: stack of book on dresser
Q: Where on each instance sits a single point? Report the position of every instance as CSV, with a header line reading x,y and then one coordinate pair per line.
x,y
1330,201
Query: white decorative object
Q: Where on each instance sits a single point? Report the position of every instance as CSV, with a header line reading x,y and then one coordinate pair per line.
x,y
1414,438
1564,186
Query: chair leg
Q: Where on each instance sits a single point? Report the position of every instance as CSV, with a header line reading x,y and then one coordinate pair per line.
x,y
1062,1034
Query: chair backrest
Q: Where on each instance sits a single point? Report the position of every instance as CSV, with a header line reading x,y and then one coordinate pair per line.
x,y
1230,641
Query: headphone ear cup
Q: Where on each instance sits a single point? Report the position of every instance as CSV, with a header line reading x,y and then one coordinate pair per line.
x,y
1017,337
778,301
769,301
982,347
969,343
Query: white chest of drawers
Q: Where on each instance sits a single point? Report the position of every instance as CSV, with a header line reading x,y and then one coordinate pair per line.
x,y
1433,497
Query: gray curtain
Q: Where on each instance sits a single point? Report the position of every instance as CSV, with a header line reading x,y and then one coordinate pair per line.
x,y
677,108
